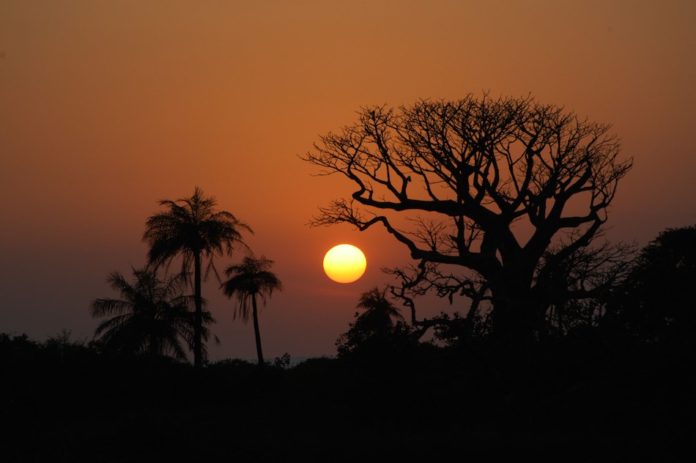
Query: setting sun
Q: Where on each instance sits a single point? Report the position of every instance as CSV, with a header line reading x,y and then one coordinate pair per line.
x,y
344,263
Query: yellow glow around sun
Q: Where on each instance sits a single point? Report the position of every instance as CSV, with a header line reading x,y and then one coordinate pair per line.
x,y
344,263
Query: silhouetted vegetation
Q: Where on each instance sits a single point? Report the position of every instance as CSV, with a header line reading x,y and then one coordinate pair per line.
x,y
378,332
609,373
154,315
192,229
248,281
506,188
565,347
656,302
607,391
151,316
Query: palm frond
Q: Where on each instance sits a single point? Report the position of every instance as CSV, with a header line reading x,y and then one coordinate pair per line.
x,y
105,307
379,311
110,324
154,315
248,279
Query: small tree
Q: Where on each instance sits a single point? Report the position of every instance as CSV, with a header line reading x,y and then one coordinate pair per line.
x,y
247,281
656,303
151,316
487,186
379,328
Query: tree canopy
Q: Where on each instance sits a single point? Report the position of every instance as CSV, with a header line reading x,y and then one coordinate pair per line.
x,y
150,316
501,187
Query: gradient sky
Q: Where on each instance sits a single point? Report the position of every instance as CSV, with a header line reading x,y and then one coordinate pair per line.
x,y
106,107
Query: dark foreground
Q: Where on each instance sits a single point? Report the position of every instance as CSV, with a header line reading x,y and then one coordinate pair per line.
x,y
569,401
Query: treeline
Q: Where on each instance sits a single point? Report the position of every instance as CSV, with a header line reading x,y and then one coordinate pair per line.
x,y
576,399
612,388
649,301
652,304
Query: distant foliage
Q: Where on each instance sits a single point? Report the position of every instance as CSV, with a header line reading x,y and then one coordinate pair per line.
x,y
657,301
378,330
283,361
456,331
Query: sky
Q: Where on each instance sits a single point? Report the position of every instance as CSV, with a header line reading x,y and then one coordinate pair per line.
x,y
107,107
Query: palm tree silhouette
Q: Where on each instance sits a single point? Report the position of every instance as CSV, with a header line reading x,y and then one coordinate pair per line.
x,y
151,316
193,229
247,280
379,314
376,330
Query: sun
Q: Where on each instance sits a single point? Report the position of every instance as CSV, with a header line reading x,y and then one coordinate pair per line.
x,y
344,263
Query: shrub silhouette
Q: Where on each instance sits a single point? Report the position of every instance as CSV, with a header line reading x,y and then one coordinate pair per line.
x,y
378,330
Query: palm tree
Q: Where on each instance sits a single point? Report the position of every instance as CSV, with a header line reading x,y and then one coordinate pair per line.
x,y
193,229
379,314
377,330
151,315
248,280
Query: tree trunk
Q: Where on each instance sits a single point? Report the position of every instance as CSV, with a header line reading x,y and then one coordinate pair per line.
x,y
198,321
257,333
515,317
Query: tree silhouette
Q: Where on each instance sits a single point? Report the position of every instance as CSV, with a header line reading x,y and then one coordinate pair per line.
x,y
379,314
580,285
194,230
151,316
656,302
491,186
246,281
379,328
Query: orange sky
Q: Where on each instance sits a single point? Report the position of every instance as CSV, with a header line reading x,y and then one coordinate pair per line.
x,y
106,107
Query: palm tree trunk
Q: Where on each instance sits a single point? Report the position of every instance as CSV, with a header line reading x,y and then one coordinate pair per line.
x,y
198,321
257,333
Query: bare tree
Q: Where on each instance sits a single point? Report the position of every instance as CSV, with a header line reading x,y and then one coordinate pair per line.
x,y
579,286
488,185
